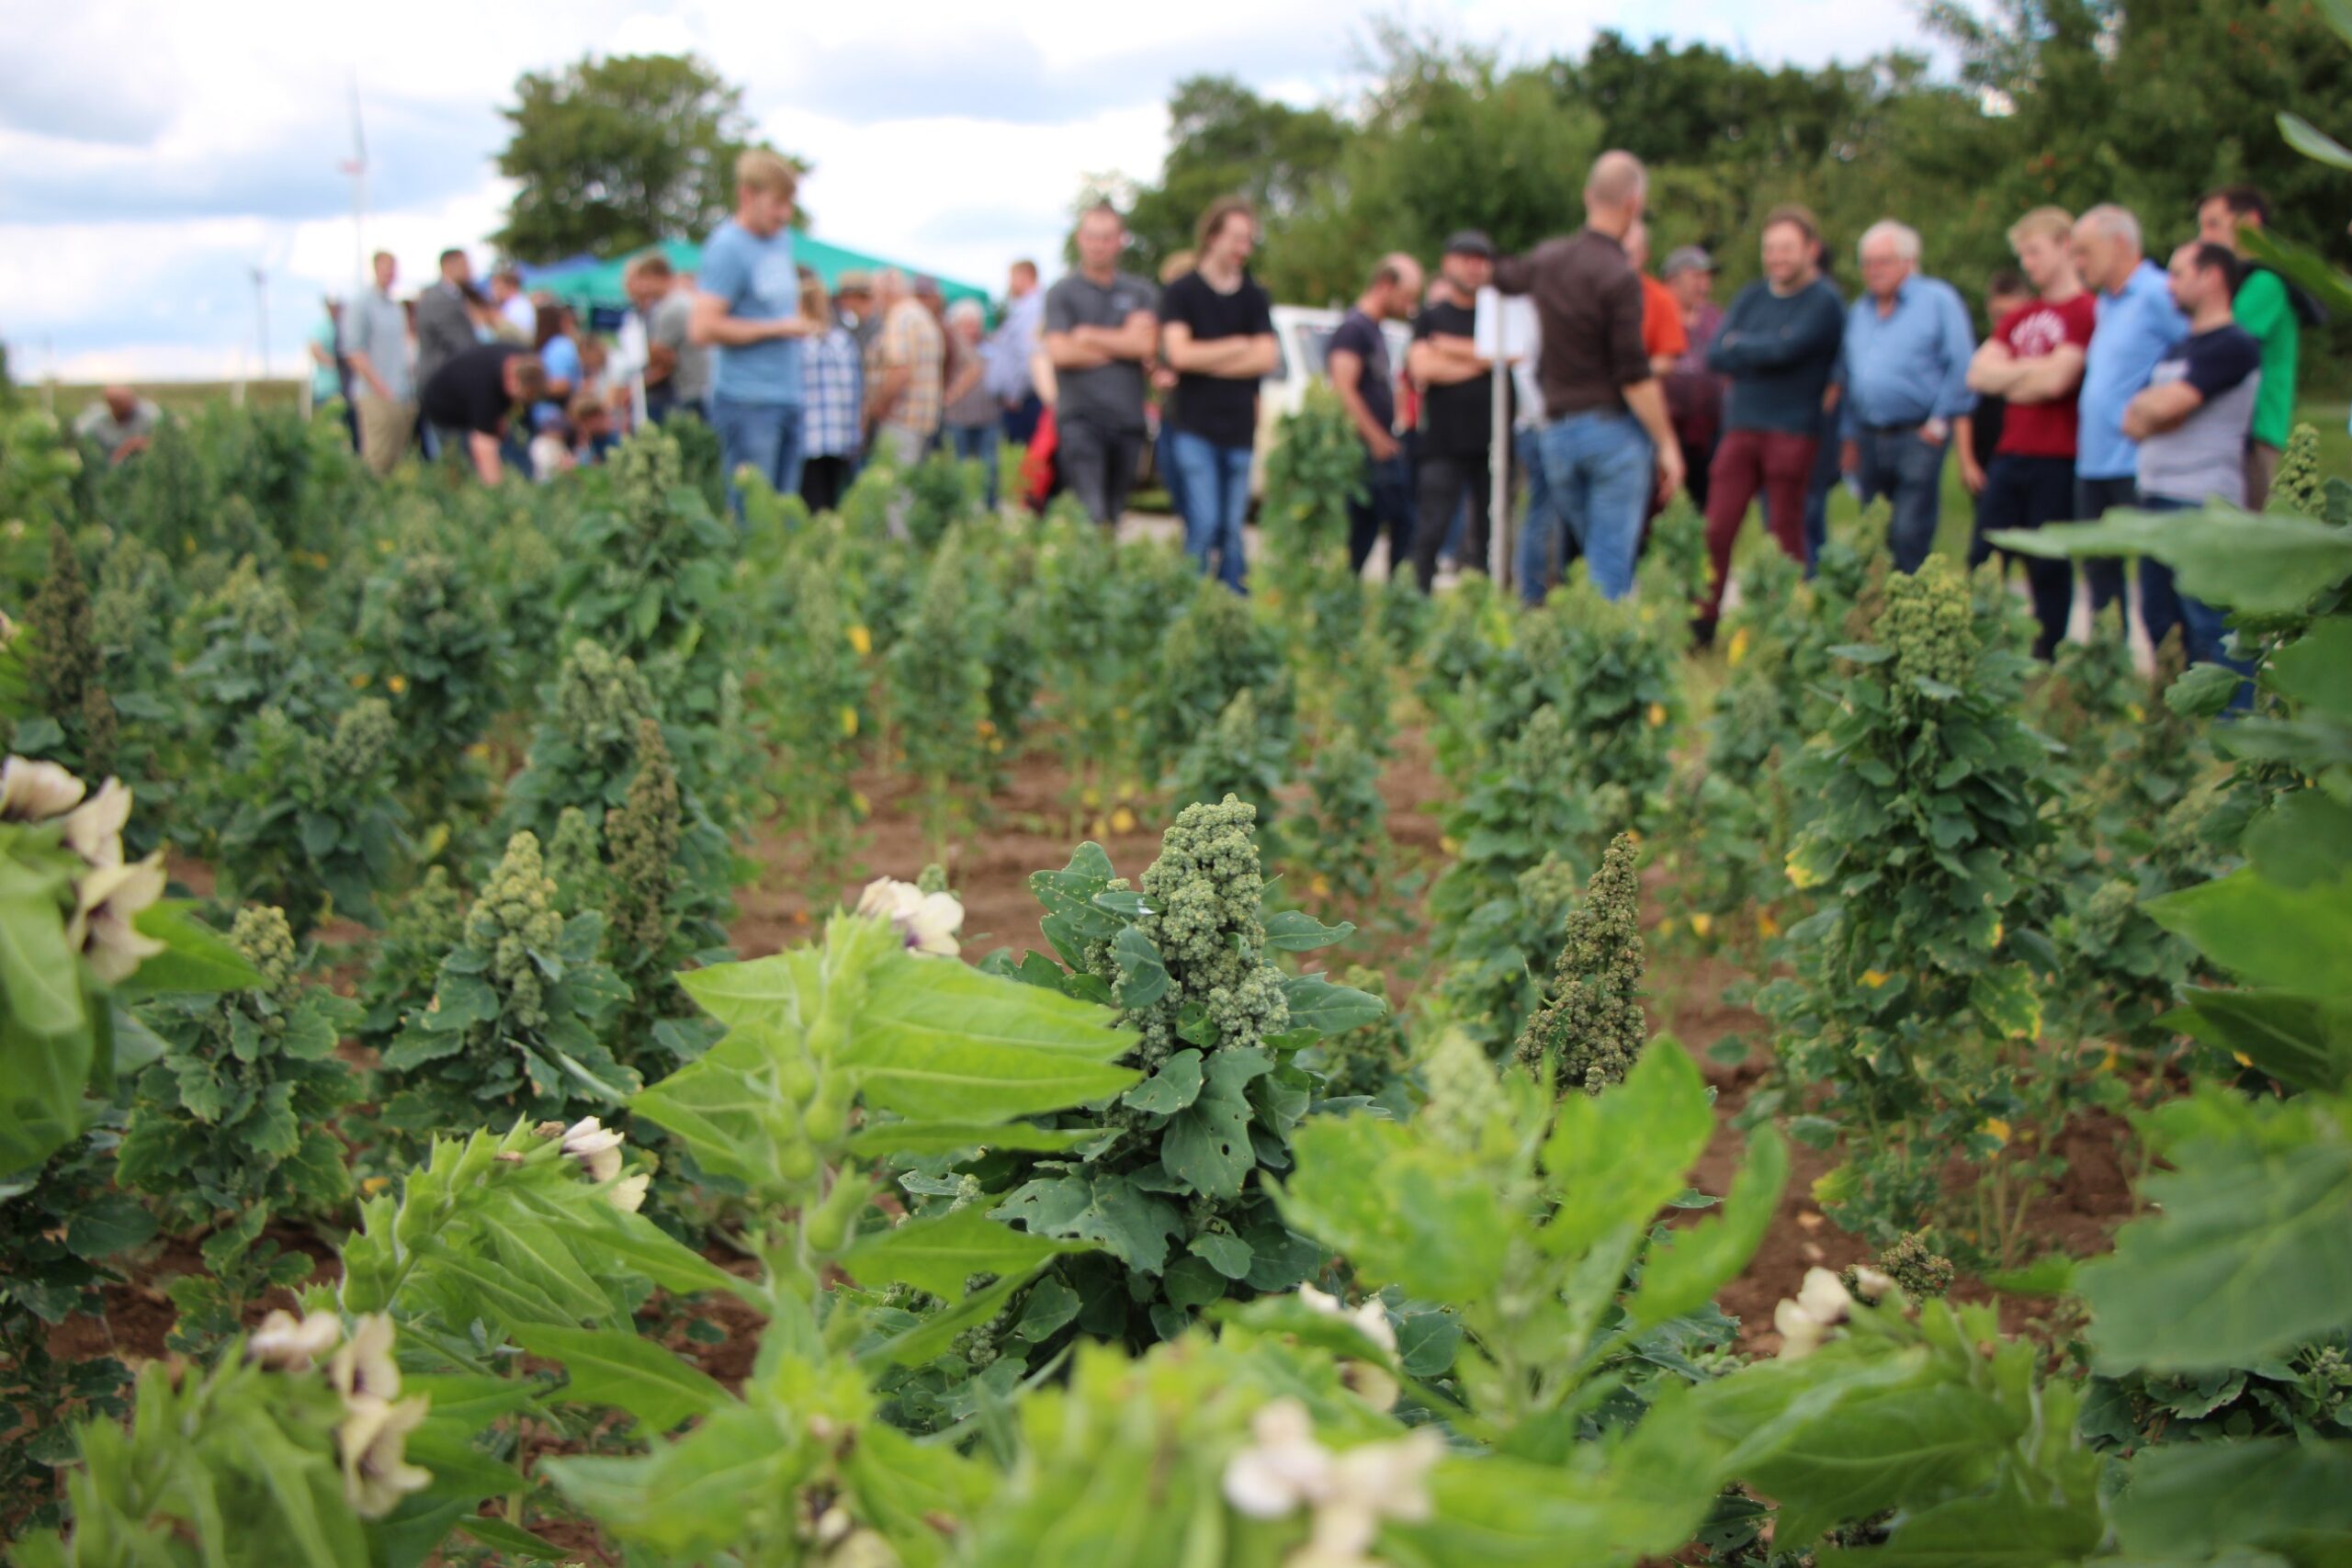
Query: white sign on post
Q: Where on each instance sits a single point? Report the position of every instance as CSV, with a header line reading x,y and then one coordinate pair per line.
x,y
1505,333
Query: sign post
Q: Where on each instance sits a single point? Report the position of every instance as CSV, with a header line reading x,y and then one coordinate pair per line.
x,y
1505,333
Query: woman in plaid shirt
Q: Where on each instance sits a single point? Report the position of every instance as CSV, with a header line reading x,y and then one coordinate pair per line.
x,y
833,403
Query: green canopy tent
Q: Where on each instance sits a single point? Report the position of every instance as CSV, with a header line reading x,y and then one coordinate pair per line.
x,y
594,287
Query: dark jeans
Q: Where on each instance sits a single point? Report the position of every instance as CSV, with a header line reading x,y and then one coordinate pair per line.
x,y
1446,480
1217,501
2026,492
1388,502
2163,606
2093,499
1021,424
824,481
1827,471
764,438
1097,466
1773,463
1909,469
976,443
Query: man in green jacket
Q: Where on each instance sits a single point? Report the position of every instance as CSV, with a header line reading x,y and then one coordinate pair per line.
x,y
2267,307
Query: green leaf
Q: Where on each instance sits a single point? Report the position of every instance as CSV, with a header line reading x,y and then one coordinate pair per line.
x,y
931,1337
1875,1448
2249,1251
1049,1309
1131,1224
196,958
939,1253
2289,1037
1175,1086
616,1367
1207,1145
1402,1210
2290,939
1227,1252
940,1042
499,1536
1685,1275
1294,931
1192,1283
2312,142
2269,564
108,1224
1316,1003
1143,976
718,1105
876,1139
2187,1501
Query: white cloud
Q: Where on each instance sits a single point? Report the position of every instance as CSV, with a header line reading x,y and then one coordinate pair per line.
x,y
153,153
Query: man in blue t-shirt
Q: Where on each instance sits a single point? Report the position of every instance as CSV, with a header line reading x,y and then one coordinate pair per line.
x,y
2191,424
2137,323
748,311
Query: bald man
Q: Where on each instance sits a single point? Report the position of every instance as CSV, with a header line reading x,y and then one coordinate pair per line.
x,y
1357,360
120,423
1606,443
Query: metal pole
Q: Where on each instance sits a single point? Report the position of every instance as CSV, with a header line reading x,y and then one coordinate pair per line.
x,y
1499,488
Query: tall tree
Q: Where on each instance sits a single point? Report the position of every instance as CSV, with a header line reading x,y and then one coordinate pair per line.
x,y
615,154
1225,140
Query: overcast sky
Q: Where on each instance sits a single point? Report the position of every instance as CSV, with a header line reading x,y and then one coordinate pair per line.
x,y
153,154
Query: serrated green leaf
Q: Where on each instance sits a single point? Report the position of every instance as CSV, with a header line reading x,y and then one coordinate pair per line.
x,y
616,1367
1174,1086
1294,931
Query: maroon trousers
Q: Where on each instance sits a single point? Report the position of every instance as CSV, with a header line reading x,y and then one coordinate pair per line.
x,y
1749,461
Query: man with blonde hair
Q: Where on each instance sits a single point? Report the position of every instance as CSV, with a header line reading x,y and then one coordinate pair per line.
x,y
2034,362
748,312
2138,325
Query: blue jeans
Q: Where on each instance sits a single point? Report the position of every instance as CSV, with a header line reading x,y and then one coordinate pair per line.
x,y
1910,469
1214,492
1827,471
2203,628
763,438
976,444
1538,524
1599,466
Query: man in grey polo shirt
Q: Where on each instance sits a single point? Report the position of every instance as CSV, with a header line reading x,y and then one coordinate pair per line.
x,y
1102,330
375,339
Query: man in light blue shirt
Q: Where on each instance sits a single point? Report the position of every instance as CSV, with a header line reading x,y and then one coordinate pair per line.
x,y
1908,341
2138,325
1009,350
748,311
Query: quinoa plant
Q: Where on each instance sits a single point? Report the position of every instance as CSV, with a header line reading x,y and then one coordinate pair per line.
x,y
1243,755
77,725
1342,844
583,750
1916,1004
1314,469
1592,1030
1173,1184
1523,810
233,1125
516,1024
815,708
661,922
1492,970
938,685
243,647
1217,648
430,641
420,929
311,820
574,861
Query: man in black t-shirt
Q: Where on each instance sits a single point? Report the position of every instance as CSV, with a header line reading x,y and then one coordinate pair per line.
x,y
1217,333
474,394
1357,361
1458,411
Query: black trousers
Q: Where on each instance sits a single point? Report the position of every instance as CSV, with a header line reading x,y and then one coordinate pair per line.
x,y
1445,480
1386,503
2027,492
824,481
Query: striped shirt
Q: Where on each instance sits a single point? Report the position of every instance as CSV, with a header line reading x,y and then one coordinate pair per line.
x,y
836,396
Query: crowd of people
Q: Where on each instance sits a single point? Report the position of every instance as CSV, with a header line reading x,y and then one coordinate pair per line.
x,y
2103,379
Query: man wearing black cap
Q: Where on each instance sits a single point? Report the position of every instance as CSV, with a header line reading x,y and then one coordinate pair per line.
x,y
1458,411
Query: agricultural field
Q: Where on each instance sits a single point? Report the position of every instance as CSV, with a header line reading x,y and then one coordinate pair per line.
x,y
544,1025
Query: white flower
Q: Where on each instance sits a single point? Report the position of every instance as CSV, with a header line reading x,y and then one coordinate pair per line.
x,y
95,828
594,1145
364,1368
373,1440
1350,1494
107,904
1287,1467
1870,1284
927,922
628,1192
35,792
1369,1380
1804,1323
291,1344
